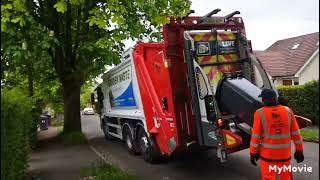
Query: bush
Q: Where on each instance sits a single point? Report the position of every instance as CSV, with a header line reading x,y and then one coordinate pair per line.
x,y
303,99
17,133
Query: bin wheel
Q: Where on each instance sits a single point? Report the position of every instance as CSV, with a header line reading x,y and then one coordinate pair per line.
x,y
129,141
148,147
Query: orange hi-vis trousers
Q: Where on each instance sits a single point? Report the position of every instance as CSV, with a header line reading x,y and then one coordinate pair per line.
x,y
275,170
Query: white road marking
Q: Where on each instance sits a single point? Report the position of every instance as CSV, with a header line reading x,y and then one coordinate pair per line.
x,y
99,154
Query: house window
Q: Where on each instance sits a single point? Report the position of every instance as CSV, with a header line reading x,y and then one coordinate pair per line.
x,y
296,82
287,82
295,46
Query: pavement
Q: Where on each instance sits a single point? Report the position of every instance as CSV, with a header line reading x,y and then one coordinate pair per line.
x,y
200,166
54,160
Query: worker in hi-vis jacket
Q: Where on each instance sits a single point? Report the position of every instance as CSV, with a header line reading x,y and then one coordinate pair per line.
x,y
273,129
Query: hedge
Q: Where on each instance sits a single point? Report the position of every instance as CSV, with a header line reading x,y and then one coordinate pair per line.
x,y
17,133
303,99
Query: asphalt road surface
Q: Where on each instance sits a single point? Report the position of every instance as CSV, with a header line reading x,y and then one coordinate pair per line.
x,y
198,166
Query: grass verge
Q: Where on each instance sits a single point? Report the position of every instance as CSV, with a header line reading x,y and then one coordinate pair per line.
x,y
102,170
72,138
310,134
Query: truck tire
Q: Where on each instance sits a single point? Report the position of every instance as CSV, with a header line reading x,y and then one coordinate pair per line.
x,y
148,147
105,130
130,141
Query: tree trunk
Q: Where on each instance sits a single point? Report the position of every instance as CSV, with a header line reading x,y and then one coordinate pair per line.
x,y
71,99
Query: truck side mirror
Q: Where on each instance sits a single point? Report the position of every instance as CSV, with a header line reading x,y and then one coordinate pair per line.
x,y
92,99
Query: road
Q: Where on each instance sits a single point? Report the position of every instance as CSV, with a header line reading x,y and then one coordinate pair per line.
x,y
201,166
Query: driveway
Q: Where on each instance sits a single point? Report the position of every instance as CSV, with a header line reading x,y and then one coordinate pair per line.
x,y
201,166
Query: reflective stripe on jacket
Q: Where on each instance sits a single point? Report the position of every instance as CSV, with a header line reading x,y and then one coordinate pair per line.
x,y
273,129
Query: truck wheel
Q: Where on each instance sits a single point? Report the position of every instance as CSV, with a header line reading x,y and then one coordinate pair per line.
x,y
129,141
105,130
148,147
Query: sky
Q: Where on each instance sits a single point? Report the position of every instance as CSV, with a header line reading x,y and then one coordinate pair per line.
x,y
266,21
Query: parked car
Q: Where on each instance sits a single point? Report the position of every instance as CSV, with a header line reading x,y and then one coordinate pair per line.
x,y
88,111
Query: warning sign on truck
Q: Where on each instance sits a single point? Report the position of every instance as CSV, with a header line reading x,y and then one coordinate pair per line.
x,y
227,47
210,48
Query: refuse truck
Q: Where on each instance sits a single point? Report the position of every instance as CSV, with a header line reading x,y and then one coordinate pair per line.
x,y
198,86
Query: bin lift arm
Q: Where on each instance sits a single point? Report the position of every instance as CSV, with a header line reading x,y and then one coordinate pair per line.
x,y
209,14
227,17
191,11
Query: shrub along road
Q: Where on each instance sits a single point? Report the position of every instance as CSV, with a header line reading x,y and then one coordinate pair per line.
x,y
201,166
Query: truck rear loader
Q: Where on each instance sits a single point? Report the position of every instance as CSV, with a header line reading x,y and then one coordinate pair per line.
x,y
199,86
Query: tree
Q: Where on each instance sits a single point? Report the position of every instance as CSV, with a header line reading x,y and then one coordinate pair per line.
x,y
85,35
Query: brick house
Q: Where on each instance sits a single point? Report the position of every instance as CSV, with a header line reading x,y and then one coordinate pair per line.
x,y
292,61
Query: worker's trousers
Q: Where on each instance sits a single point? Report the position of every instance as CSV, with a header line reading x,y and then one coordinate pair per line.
x,y
275,170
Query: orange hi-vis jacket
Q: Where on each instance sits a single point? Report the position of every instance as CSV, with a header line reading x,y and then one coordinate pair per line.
x,y
273,129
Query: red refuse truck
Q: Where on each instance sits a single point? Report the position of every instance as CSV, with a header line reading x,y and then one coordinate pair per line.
x,y
199,86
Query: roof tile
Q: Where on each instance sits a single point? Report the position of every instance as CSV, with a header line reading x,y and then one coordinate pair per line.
x,y
281,60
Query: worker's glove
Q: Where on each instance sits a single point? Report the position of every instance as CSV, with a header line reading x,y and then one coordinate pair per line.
x,y
298,155
254,158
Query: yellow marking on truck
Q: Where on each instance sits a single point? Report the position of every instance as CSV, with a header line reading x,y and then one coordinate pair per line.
x,y
230,140
199,36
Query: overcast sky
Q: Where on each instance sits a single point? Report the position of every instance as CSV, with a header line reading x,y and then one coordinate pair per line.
x,y
267,21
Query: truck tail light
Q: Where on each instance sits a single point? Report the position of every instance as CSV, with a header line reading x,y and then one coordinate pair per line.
x,y
220,122
166,63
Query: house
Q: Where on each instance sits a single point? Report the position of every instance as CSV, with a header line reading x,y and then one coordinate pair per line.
x,y
292,61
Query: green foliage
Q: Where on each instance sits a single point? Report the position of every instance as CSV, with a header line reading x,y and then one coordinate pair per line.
x,y
17,129
61,6
25,60
72,138
303,99
76,38
85,96
102,170
90,33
